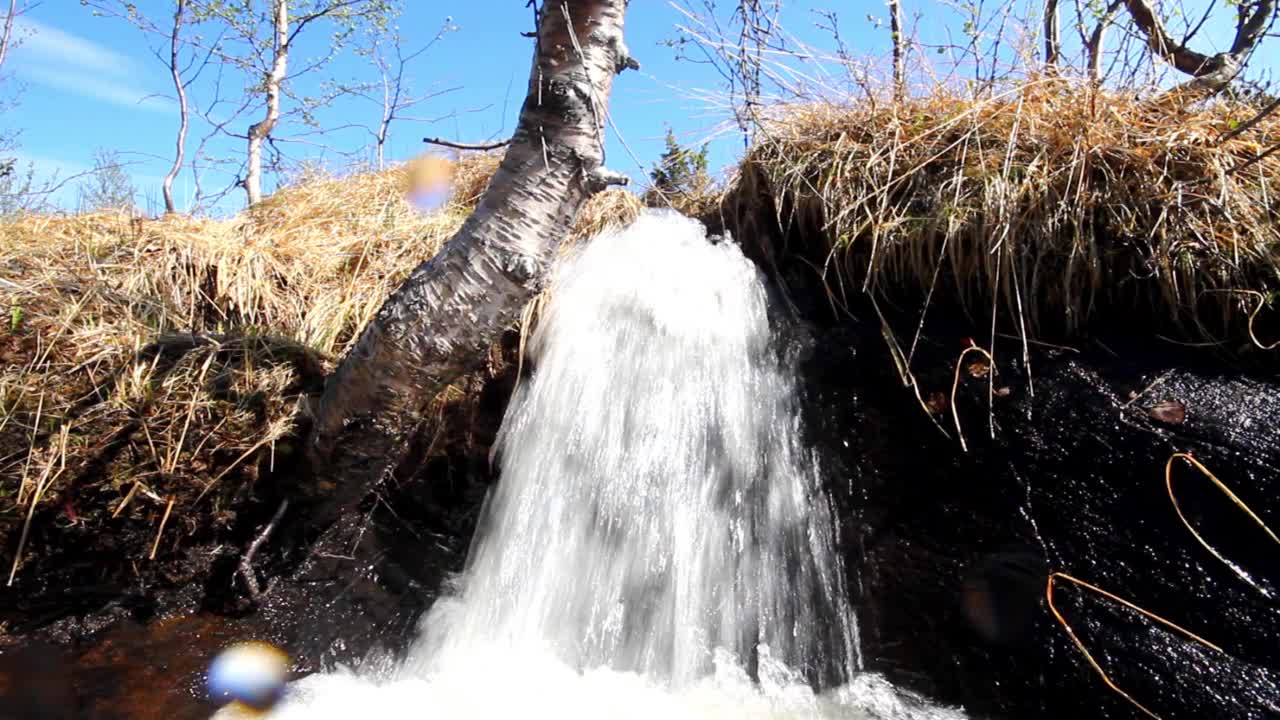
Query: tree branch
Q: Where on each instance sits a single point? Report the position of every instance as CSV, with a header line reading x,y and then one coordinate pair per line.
x,y
1162,44
1253,26
1093,45
1212,72
10,16
175,43
895,27
467,146
1246,125
1052,33
306,20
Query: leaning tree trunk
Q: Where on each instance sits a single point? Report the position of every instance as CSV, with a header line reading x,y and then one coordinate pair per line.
x,y
440,323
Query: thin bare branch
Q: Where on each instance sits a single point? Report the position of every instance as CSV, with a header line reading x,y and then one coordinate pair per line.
x,y
467,146
7,35
175,44
895,27
1052,33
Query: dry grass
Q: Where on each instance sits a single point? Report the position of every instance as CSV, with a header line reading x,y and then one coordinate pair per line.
x,y
610,209
143,361
1052,200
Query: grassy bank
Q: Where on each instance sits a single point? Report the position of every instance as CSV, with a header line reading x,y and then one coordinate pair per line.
x,y
1058,203
151,370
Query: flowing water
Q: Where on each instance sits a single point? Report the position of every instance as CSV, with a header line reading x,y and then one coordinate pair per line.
x,y
658,545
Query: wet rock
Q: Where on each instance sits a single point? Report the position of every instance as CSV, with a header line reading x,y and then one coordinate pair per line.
x,y
1069,472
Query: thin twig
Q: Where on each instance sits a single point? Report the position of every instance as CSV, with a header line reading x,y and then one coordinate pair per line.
x,y
128,497
1148,388
1255,159
955,384
1248,124
467,146
1089,656
1168,483
160,531
246,562
902,365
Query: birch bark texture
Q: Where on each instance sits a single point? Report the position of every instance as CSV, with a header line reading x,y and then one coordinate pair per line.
x,y
442,321
180,91
259,131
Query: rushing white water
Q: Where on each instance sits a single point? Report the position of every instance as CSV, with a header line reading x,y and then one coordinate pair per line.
x,y
658,545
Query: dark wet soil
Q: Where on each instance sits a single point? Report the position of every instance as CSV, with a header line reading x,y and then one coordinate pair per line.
x,y
73,645
947,551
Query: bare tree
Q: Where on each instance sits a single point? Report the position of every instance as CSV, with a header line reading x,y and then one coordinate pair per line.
x,y
261,46
180,89
184,55
899,71
19,189
443,319
259,131
1052,34
739,50
1210,72
392,93
6,35
8,137
108,186
1094,41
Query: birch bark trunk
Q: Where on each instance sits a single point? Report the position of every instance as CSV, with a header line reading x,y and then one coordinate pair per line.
x,y
441,322
259,131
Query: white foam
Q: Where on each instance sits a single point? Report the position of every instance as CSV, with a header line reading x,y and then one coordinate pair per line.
x,y
657,527
499,683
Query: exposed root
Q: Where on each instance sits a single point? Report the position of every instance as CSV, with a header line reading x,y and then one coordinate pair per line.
x,y
903,366
245,571
955,385
1089,656
1168,482
47,479
1262,301
164,520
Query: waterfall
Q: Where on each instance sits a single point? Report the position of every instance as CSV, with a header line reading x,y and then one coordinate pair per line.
x,y
659,543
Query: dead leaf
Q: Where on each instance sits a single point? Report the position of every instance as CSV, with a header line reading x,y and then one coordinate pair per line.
x,y
1171,412
937,403
979,368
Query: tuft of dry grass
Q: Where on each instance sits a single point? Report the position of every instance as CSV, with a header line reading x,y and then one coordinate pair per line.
x,y
608,210
1054,202
149,363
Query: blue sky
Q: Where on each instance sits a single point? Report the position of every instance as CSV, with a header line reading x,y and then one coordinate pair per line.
x,y
90,82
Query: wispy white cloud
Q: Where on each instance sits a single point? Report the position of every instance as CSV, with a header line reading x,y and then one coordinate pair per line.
x,y
104,89
63,61
50,43
47,167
